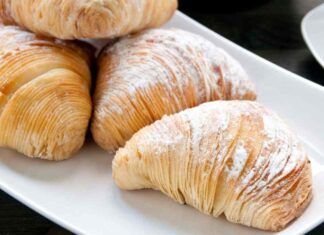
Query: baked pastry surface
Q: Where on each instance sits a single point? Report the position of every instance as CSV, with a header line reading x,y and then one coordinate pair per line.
x,y
145,76
73,19
224,157
45,103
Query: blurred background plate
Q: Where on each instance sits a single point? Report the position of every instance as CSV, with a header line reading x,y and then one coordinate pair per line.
x,y
313,32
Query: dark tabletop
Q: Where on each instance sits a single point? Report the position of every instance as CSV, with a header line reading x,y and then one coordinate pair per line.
x,y
270,29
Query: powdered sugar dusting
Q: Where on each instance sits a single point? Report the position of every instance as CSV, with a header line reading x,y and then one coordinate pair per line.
x,y
175,68
196,121
200,118
281,152
223,121
239,159
233,157
176,60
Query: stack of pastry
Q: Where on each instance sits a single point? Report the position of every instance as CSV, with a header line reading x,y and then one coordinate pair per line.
x,y
162,99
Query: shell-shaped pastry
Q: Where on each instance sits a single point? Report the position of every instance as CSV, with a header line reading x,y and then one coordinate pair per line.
x,y
45,103
73,19
145,76
224,157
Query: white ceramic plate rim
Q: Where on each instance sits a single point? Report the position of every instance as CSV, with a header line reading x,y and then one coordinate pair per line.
x,y
306,37
40,210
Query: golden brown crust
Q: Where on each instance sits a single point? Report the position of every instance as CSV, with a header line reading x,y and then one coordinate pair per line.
x,y
45,105
145,76
72,19
225,157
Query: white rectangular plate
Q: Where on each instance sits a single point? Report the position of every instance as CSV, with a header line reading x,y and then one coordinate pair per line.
x,y
79,194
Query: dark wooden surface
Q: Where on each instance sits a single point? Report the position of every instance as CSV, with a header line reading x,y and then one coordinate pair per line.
x,y
270,29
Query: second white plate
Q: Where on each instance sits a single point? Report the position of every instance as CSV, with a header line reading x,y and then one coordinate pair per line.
x,y
313,32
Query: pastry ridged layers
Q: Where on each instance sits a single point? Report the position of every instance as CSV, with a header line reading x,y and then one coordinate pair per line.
x,y
45,105
75,19
224,157
163,71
